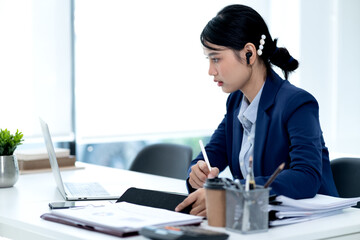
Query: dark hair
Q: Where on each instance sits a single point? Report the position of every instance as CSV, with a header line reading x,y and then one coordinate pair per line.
x,y
236,25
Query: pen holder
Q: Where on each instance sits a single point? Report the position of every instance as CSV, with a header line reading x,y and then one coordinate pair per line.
x,y
247,211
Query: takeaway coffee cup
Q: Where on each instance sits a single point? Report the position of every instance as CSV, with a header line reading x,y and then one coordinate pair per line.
x,y
215,196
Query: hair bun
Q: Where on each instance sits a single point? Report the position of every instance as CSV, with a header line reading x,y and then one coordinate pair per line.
x,y
284,60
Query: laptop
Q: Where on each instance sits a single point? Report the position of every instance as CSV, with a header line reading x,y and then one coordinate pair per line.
x,y
76,190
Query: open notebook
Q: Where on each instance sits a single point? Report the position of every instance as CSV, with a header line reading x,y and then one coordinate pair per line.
x,y
75,190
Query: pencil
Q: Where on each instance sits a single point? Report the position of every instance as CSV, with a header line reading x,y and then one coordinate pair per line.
x,y
250,180
274,175
204,154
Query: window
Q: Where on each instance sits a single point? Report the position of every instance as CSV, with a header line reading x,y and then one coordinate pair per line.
x,y
140,73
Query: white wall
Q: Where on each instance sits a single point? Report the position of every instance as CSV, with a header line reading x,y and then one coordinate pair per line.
x,y
35,66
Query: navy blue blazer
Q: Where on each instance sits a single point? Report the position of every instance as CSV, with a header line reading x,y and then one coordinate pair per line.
x,y
287,130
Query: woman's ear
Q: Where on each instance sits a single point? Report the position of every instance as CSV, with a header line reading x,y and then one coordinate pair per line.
x,y
250,53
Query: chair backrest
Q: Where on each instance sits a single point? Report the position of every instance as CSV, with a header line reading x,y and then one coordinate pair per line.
x,y
164,159
346,172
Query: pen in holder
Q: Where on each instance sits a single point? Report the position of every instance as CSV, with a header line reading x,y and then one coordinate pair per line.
x,y
247,211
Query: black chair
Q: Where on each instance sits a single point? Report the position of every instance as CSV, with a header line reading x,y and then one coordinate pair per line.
x,y
346,172
164,159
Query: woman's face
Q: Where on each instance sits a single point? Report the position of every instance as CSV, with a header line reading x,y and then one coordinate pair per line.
x,y
230,73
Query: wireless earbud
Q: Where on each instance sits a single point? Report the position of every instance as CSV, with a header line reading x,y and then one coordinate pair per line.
x,y
248,55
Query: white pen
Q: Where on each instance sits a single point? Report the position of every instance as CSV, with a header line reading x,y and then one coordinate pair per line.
x,y
204,154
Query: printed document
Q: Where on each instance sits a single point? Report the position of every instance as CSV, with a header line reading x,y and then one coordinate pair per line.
x,y
125,217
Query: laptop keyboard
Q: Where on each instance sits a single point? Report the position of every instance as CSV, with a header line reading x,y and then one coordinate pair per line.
x,y
92,189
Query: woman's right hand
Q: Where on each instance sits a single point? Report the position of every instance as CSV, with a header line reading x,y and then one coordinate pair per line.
x,y
200,172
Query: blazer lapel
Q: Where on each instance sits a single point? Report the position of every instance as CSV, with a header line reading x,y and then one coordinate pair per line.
x,y
271,87
262,125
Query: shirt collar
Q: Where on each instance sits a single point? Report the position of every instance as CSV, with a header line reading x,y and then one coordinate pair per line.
x,y
250,111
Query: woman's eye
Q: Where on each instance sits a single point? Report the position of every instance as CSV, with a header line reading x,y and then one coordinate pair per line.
x,y
215,60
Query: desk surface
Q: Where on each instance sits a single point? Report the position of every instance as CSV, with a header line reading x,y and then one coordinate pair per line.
x,y
22,205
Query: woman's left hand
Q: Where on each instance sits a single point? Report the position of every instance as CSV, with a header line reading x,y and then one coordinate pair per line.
x,y
197,199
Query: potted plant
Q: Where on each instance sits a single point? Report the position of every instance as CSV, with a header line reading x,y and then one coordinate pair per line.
x,y
9,170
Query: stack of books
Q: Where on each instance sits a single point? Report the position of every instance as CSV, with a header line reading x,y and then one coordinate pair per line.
x,y
285,210
30,160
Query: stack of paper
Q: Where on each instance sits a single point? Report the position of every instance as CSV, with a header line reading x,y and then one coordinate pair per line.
x,y
293,211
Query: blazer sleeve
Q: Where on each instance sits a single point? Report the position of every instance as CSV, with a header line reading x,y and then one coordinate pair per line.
x,y
302,176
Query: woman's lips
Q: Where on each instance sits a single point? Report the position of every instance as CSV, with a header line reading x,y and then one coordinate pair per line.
x,y
219,83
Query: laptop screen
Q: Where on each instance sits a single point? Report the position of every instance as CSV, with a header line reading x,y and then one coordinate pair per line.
x,y
52,157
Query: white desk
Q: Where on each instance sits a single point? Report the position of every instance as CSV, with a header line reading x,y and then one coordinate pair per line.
x,y
22,205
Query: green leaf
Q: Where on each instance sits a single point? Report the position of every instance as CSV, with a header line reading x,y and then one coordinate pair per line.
x,y
9,142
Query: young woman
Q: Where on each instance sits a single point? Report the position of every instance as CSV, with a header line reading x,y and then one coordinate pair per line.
x,y
267,118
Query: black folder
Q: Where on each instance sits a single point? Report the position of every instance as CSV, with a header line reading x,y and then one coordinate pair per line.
x,y
154,198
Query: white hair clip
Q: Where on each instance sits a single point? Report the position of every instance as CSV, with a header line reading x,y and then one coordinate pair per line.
x,y
261,46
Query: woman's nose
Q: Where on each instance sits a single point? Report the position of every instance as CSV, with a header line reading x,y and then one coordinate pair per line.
x,y
212,71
